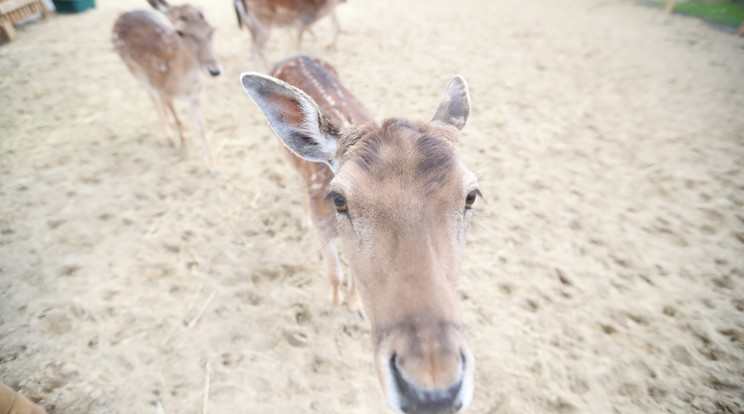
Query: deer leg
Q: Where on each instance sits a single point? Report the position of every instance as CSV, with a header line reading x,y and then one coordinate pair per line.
x,y
669,7
355,302
321,212
741,30
300,32
336,27
171,111
260,36
197,114
307,218
162,117
333,266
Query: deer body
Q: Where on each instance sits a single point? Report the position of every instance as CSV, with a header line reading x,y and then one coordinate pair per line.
x,y
168,60
320,80
402,202
259,16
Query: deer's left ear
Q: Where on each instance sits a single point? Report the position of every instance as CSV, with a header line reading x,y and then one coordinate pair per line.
x,y
454,108
295,118
160,5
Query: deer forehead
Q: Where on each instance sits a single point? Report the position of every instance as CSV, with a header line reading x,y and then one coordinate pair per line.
x,y
190,17
402,165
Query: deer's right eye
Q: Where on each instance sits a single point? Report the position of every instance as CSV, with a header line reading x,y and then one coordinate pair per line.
x,y
339,201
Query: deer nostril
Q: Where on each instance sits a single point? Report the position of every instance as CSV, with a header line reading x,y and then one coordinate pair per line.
x,y
413,399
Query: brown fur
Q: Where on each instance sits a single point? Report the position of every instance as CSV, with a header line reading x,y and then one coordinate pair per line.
x,y
167,60
402,200
404,238
321,82
260,16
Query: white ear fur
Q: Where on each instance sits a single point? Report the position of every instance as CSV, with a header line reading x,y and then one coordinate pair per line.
x,y
454,109
282,103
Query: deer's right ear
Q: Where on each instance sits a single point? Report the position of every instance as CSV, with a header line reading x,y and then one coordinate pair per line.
x,y
160,5
295,118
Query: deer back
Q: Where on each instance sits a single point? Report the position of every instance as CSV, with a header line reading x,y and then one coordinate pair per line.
x,y
146,44
289,12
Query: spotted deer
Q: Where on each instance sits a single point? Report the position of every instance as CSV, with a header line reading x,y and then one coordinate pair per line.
x,y
259,16
168,60
321,82
401,206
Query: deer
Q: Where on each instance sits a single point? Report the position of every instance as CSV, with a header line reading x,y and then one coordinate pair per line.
x,y
402,202
320,80
168,59
259,16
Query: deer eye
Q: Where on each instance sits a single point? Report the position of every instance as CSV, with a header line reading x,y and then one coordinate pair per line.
x,y
470,199
339,201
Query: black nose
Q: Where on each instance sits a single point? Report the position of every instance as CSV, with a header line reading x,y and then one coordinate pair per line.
x,y
414,400
215,72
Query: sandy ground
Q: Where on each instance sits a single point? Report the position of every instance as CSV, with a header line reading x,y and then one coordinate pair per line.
x,y
605,273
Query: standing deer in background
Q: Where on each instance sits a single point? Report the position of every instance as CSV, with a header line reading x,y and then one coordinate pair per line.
x,y
402,202
168,59
259,16
320,80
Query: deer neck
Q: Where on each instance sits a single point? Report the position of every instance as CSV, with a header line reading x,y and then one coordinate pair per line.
x,y
185,59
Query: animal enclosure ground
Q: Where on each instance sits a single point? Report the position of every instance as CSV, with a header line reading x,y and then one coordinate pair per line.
x,y
604,273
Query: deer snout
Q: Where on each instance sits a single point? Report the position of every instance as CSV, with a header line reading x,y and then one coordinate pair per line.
x,y
214,70
211,66
413,398
428,371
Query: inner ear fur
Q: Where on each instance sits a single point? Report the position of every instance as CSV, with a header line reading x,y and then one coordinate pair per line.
x,y
454,109
295,118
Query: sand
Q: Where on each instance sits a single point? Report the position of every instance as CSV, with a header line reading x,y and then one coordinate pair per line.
x,y
604,273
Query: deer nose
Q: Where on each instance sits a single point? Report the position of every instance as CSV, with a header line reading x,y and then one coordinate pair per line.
x,y
414,399
215,72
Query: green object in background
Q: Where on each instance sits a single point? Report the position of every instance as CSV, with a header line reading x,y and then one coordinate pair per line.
x,y
728,14
73,6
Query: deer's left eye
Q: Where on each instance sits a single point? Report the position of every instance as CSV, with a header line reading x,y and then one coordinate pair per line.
x,y
470,199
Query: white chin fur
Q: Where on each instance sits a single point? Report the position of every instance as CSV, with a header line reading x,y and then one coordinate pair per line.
x,y
468,382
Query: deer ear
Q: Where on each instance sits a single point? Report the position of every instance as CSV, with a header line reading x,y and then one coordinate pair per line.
x,y
160,5
455,106
295,118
